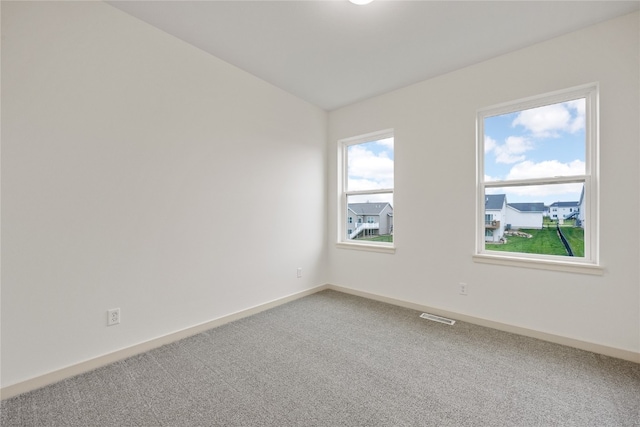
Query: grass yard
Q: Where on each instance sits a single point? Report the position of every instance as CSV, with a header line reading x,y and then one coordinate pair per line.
x,y
575,237
545,241
381,238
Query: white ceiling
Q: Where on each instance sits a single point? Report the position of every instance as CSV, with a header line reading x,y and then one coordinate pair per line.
x,y
333,53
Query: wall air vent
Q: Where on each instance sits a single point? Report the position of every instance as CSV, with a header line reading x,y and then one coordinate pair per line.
x,y
437,318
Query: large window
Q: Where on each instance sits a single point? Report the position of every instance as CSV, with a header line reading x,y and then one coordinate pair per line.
x,y
366,167
538,180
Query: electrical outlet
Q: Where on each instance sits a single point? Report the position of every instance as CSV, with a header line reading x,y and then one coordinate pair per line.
x,y
113,316
299,272
463,289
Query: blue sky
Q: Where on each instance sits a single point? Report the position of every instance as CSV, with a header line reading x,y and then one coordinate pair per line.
x,y
536,143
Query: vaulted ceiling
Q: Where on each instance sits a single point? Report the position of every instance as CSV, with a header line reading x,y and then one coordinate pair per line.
x,y
333,53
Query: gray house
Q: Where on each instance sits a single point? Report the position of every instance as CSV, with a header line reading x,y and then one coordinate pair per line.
x,y
369,219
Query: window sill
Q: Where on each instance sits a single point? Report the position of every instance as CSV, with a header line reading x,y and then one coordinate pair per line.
x,y
540,264
367,247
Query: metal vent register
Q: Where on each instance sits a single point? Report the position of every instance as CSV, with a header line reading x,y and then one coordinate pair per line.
x,y
437,318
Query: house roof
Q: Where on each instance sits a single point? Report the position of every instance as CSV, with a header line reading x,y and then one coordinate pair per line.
x,y
564,204
528,207
494,202
374,208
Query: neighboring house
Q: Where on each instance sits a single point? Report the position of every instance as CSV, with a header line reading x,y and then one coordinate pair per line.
x,y
369,219
562,210
580,221
524,215
500,216
495,213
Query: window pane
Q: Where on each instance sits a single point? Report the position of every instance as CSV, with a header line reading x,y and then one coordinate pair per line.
x,y
536,219
373,214
541,142
370,165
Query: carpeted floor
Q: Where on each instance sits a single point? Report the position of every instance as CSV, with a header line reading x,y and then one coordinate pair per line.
x,y
332,359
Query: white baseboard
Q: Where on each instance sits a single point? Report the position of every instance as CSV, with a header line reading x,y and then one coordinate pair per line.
x,y
91,364
569,342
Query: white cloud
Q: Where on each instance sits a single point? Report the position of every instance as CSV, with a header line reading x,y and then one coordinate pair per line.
x,y
367,170
365,198
356,184
489,144
491,190
549,120
543,193
580,106
547,168
387,142
512,150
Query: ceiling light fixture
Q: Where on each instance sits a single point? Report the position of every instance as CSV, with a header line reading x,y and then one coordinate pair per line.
x,y
360,2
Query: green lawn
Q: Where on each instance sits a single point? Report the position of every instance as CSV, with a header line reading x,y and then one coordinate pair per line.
x,y
548,222
545,241
575,237
381,238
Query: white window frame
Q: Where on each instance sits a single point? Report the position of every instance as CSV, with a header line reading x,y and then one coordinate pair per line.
x,y
590,264
344,193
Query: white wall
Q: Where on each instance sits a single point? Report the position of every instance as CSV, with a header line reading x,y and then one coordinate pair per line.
x,y
139,172
518,219
434,123
562,212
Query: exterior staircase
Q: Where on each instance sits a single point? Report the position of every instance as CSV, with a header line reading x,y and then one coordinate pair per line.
x,y
364,226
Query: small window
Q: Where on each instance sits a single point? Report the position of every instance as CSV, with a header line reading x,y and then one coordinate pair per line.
x,y
366,180
534,154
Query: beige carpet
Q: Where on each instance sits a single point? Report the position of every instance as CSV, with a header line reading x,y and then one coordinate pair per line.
x,y
332,359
